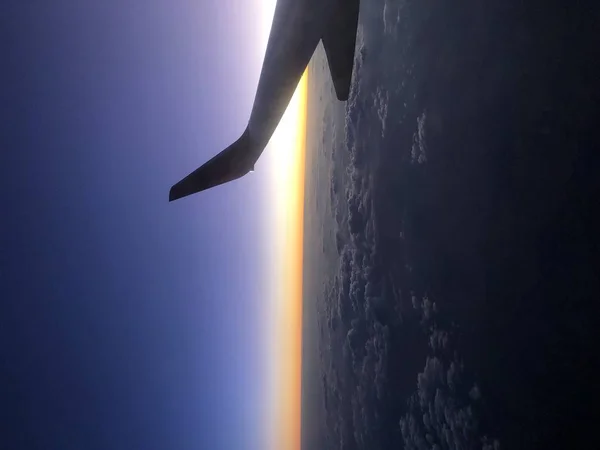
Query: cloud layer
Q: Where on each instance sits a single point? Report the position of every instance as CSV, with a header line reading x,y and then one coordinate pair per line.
x,y
372,344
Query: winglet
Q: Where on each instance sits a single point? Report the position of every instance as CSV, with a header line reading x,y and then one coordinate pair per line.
x,y
339,41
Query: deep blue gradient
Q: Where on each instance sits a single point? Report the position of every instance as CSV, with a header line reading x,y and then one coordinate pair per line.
x,y
125,321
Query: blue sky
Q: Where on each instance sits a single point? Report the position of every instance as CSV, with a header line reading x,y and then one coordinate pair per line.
x,y
128,322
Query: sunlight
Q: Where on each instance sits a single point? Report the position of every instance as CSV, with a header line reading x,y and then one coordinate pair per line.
x,y
284,160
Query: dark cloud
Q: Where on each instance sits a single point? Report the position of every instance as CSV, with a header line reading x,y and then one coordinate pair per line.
x,y
365,339
419,147
357,373
391,17
438,340
381,99
442,412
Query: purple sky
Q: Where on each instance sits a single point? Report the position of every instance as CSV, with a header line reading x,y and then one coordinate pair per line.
x,y
125,321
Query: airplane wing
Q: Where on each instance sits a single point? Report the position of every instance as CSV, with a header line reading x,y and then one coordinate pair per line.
x,y
232,163
282,68
339,42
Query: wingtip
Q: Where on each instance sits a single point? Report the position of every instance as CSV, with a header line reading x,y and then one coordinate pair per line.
x,y
172,194
232,163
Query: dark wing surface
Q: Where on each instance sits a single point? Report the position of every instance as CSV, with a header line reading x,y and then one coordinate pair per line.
x,y
232,163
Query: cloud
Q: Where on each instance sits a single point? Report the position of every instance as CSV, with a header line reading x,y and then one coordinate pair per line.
x,y
453,375
360,314
475,393
381,99
438,340
391,17
441,413
357,373
426,308
419,147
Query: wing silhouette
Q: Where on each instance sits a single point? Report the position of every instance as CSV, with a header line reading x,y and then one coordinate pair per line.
x,y
232,163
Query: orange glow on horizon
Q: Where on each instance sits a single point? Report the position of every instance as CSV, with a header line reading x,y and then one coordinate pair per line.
x,y
289,154
287,162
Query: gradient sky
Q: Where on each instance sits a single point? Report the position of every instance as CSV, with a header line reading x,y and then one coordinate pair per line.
x,y
125,321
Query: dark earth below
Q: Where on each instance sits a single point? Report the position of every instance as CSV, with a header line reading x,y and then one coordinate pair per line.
x,y
455,289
